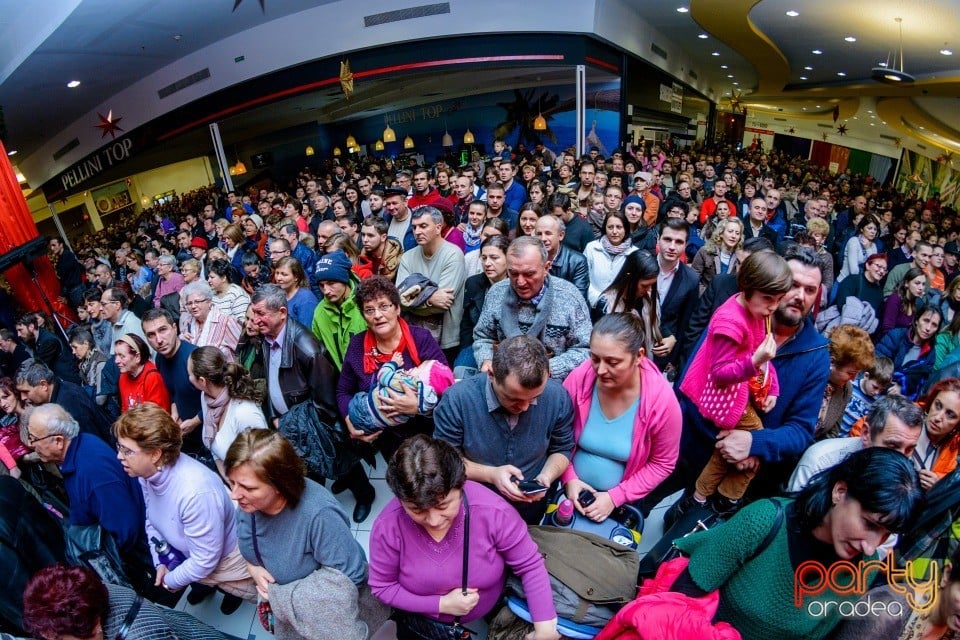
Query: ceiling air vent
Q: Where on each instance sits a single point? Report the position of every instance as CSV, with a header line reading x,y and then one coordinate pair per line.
x,y
824,126
780,119
659,51
183,83
406,14
65,149
886,137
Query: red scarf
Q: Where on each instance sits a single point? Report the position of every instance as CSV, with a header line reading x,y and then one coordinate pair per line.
x,y
373,358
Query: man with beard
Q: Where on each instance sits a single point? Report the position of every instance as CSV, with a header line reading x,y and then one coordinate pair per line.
x,y
788,428
381,254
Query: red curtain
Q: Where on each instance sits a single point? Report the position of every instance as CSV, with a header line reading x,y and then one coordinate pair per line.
x,y
821,153
16,229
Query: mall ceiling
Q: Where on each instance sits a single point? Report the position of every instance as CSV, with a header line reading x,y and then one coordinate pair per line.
x,y
755,50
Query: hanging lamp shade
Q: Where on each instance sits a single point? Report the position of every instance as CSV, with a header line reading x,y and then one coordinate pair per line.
x,y
389,135
378,145
233,170
337,152
447,140
310,150
540,123
241,168
351,141
408,143
468,137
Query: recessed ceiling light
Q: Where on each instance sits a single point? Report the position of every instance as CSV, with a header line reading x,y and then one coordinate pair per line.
x,y
715,53
816,52
12,152
818,106
881,64
855,118
723,66
850,39
872,124
682,10
804,108
73,84
804,78
841,74
792,13
946,52
703,36
808,68
736,84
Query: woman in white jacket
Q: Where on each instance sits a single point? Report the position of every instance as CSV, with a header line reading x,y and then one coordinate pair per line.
x,y
861,246
229,399
606,256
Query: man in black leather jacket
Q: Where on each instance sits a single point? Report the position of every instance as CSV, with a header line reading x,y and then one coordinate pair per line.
x,y
298,369
564,262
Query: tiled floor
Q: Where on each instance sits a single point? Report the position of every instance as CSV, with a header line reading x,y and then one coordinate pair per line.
x,y
243,624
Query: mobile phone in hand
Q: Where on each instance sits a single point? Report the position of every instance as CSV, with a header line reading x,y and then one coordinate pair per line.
x,y
529,487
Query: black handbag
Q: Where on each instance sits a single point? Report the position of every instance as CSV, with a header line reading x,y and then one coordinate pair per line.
x,y
412,625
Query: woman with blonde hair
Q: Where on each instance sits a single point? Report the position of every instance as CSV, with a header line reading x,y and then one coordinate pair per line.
x,y
301,302
187,507
719,254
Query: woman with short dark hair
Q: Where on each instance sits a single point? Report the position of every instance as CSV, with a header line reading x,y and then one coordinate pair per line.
x,y
72,602
426,525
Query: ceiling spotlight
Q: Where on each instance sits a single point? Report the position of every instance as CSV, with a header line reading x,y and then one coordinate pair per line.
x,y
808,68
792,13
804,108
12,152
850,39
817,52
841,74
723,66
729,75
946,52
73,84
703,36
715,53
736,84
804,78
889,73
683,10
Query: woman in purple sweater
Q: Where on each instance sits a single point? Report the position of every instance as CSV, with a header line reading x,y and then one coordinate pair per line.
x,y
417,547
187,507
387,334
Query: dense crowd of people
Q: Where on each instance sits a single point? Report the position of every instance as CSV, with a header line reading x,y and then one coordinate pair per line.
x,y
738,324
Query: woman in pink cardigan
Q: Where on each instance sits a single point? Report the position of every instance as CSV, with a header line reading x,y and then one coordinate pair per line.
x,y
626,420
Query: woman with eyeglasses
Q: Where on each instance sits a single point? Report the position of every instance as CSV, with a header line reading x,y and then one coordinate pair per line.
x,y
204,324
187,506
387,335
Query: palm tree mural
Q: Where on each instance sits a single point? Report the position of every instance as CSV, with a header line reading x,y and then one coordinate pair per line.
x,y
522,112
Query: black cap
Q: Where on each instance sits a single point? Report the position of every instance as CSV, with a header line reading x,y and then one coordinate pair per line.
x,y
394,191
952,247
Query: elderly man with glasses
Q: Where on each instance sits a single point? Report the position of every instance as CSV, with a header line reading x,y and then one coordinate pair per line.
x,y
99,491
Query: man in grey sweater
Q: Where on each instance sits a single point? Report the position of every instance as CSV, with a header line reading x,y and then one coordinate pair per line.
x,y
532,302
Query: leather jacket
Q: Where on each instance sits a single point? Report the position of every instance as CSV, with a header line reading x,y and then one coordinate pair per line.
x,y
305,372
571,266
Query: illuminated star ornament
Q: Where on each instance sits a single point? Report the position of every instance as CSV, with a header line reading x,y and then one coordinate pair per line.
x,y
237,3
346,78
792,130
842,129
109,125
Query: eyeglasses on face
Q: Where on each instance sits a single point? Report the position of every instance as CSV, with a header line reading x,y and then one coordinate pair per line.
x,y
197,302
124,452
32,439
384,308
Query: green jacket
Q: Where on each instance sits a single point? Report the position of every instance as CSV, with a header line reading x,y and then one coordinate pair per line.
x,y
334,326
756,595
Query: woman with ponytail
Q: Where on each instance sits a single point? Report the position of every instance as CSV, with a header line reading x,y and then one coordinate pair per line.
x,y
230,400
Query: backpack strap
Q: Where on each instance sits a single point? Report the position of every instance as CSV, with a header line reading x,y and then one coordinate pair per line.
x,y
774,530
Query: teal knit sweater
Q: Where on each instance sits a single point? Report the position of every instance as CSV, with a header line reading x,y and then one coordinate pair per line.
x,y
756,596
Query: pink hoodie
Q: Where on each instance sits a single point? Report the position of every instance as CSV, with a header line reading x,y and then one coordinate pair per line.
x,y
656,431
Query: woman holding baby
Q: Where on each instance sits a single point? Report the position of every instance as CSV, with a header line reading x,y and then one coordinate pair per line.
x,y
387,336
